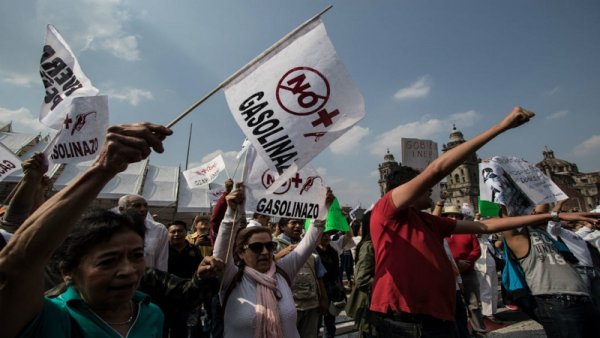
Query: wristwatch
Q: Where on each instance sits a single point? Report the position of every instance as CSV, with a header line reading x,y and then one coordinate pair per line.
x,y
554,215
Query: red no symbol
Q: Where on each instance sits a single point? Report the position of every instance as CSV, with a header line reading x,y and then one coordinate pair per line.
x,y
302,91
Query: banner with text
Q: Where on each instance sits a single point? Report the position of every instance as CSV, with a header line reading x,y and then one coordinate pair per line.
x,y
295,101
62,77
417,154
83,133
9,162
302,196
516,184
204,174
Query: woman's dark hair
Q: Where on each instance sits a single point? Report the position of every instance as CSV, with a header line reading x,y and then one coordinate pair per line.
x,y
366,232
244,236
95,227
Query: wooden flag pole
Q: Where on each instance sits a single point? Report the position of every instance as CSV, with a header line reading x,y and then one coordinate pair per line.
x,y
246,67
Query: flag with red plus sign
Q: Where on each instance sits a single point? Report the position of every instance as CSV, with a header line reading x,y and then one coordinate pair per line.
x,y
199,177
83,131
295,101
301,196
62,77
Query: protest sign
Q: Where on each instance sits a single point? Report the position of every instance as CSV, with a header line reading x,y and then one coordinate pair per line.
x,y
204,174
62,77
530,179
83,133
302,196
516,184
417,154
9,162
295,101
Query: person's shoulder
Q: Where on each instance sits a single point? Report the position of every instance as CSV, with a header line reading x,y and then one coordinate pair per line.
x,y
154,225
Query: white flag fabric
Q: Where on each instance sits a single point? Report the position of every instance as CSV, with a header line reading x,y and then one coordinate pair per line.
x,y
242,151
83,132
518,185
302,196
204,174
9,162
62,77
215,191
296,100
353,212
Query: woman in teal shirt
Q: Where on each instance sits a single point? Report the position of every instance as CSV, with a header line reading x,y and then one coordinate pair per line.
x,y
102,260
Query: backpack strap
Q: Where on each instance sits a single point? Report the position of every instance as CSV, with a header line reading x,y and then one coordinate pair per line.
x,y
284,275
234,282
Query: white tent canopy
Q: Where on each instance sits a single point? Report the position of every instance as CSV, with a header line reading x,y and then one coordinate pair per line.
x,y
160,186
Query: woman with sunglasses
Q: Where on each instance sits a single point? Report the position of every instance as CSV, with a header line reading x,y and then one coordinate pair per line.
x,y
256,292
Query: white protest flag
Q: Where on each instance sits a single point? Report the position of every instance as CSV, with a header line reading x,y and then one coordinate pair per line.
x,y
496,185
62,77
204,174
9,162
215,191
302,196
295,101
242,151
83,132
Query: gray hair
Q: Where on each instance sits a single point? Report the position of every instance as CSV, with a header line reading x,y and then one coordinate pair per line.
x,y
124,200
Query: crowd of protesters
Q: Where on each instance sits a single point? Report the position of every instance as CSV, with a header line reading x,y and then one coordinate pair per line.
x,y
409,273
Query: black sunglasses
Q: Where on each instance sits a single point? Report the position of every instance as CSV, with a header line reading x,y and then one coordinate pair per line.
x,y
257,247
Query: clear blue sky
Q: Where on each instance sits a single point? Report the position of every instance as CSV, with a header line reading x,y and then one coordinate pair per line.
x,y
420,65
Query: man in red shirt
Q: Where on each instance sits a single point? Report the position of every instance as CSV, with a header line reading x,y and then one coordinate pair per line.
x,y
414,290
466,250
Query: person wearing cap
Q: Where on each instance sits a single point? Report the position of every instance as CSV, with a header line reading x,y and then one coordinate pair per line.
x,y
466,250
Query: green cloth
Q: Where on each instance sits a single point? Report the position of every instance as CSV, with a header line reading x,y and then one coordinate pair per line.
x,y
488,209
335,219
58,315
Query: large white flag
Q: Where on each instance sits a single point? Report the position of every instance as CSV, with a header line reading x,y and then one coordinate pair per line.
x,y
518,185
296,100
9,162
62,77
302,196
83,132
204,174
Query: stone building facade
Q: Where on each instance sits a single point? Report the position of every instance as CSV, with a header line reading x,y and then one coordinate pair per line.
x,y
462,185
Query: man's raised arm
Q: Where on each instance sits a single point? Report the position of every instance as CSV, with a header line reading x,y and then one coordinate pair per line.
x,y
406,194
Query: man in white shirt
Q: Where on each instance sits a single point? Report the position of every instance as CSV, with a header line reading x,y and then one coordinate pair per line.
x,y
156,240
